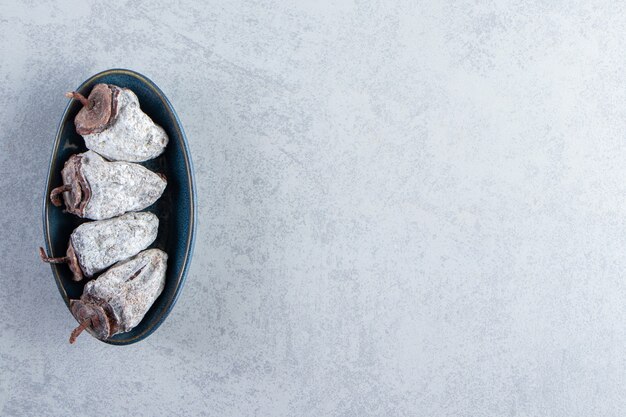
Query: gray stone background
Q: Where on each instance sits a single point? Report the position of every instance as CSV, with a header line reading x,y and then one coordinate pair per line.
x,y
405,208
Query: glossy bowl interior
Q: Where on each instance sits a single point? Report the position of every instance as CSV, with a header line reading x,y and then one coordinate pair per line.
x,y
175,209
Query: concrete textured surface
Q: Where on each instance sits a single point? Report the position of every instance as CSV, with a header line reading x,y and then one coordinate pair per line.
x,y
405,208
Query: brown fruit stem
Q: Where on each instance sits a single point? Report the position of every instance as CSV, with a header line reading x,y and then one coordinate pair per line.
x,y
77,331
54,195
46,258
78,96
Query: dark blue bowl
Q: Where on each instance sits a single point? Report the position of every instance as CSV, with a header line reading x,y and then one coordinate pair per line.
x,y
175,209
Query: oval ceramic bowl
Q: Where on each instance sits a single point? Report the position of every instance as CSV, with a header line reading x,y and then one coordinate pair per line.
x,y
175,209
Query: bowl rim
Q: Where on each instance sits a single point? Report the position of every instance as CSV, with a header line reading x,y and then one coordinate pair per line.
x,y
182,138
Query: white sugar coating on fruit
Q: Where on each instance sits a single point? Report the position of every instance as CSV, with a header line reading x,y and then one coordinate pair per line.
x,y
102,243
118,187
130,287
133,137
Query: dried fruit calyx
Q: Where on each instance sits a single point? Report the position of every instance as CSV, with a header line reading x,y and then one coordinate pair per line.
x,y
95,246
99,109
119,299
70,259
75,189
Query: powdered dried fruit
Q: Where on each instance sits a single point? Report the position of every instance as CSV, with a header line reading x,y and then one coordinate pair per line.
x,y
118,300
96,189
95,246
113,124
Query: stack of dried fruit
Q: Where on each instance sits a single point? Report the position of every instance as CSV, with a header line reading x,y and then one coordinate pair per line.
x,y
111,191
